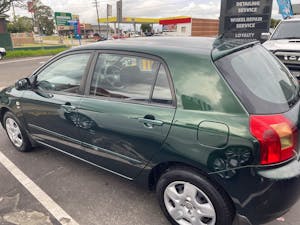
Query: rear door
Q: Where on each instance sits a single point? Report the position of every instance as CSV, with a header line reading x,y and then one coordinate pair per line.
x,y
127,111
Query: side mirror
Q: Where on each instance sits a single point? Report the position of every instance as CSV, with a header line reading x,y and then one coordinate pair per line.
x,y
22,84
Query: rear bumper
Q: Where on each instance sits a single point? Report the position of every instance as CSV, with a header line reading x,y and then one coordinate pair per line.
x,y
277,200
264,194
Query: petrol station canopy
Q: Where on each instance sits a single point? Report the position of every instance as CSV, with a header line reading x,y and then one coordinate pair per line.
x,y
140,20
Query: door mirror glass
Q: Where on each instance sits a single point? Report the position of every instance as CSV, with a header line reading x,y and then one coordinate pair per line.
x,y
22,84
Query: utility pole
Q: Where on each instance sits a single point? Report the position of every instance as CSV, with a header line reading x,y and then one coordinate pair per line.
x,y
119,15
14,12
96,3
108,14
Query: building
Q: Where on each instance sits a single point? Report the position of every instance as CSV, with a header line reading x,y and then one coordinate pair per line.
x,y
187,26
5,39
103,29
177,26
296,9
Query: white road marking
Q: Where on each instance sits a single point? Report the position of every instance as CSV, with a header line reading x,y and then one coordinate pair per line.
x,y
24,60
37,192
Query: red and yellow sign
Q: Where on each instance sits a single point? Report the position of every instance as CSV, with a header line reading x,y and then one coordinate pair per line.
x,y
163,21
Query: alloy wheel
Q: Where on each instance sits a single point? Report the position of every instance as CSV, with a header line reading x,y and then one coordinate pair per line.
x,y
14,132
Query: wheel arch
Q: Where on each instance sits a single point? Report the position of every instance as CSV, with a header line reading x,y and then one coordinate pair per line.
x,y
158,170
3,110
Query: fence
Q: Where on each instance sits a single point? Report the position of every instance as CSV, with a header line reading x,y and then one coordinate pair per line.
x,y
20,39
5,41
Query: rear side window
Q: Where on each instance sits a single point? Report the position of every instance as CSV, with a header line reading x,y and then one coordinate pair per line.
x,y
124,77
129,77
261,82
162,91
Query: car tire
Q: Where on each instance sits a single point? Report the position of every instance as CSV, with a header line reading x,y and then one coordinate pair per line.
x,y
187,197
1,56
16,133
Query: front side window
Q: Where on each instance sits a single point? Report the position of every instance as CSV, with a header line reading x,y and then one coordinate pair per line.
x,y
124,77
65,74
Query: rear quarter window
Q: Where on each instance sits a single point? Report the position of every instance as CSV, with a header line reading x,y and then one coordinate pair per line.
x,y
200,87
260,80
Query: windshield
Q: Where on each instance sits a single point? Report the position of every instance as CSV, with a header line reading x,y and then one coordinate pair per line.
x,y
287,30
260,80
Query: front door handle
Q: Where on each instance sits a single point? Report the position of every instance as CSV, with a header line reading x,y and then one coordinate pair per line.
x,y
68,108
151,122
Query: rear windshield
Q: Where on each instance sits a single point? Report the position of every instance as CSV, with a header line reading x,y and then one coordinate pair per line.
x,y
260,80
287,30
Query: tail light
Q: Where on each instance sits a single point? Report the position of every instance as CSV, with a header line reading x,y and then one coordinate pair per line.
x,y
276,136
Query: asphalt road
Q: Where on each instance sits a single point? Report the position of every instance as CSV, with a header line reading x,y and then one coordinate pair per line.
x,y
12,70
89,195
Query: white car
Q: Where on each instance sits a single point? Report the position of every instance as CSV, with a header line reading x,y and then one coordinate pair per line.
x,y
285,44
2,53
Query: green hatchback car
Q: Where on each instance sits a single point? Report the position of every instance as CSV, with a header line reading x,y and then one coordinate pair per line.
x,y
211,125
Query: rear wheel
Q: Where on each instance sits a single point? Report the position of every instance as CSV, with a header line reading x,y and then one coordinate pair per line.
x,y
16,133
188,198
1,56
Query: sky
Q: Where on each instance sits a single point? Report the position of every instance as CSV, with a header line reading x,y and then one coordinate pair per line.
x,y
142,8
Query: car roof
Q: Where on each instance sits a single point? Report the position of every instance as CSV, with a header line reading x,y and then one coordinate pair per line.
x,y
161,46
152,45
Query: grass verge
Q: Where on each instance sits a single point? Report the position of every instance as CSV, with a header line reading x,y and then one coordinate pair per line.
x,y
31,53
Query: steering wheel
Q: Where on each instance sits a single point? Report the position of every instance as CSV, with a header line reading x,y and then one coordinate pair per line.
x,y
112,76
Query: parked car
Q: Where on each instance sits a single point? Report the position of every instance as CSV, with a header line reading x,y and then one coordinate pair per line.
x,y
284,43
210,125
2,53
148,34
118,36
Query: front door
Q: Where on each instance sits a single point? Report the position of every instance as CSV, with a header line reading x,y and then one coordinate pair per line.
x,y
127,113
50,108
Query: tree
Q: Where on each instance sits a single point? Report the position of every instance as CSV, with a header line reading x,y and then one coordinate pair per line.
x,y
20,24
146,28
6,4
274,22
43,16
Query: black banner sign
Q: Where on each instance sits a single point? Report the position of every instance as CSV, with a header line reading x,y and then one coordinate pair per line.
x,y
245,19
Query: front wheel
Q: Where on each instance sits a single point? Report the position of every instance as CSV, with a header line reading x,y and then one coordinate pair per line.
x,y
1,56
16,133
188,198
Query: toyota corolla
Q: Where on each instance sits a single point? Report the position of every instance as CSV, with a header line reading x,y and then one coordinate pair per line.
x,y
211,125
